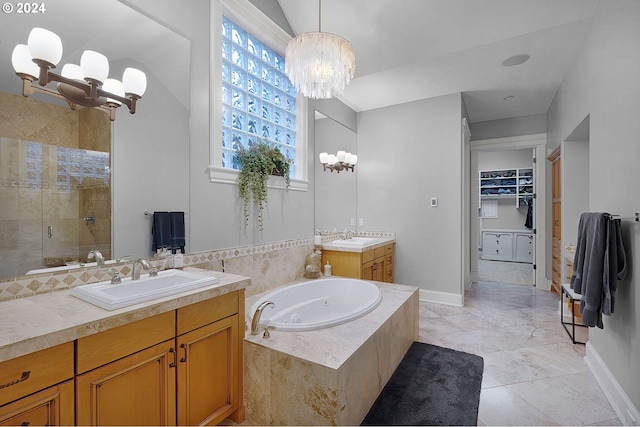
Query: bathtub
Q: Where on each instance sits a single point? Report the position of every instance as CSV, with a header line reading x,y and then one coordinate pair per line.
x,y
318,304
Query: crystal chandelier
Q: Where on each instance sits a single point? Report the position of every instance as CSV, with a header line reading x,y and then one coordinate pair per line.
x,y
320,65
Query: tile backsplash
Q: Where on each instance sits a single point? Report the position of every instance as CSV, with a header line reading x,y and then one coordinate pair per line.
x,y
269,265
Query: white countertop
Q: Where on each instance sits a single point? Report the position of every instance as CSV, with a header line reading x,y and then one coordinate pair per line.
x,y
34,323
336,245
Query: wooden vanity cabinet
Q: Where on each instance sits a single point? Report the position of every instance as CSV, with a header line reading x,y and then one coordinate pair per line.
x,y
373,264
37,389
182,367
209,365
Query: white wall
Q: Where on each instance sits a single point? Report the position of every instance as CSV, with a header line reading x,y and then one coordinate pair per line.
x,y
408,154
604,82
513,126
215,212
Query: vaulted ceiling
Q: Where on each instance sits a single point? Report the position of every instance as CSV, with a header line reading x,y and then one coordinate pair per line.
x,y
413,49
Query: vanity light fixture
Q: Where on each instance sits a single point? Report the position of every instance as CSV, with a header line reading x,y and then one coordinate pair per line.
x,y
85,84
320,65
339,161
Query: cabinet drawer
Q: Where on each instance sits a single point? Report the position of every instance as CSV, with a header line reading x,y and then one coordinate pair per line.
x,y
388,250
379,252
368,256
104,347
53,406
32,372
196,315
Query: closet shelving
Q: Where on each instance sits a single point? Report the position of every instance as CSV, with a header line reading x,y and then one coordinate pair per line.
x,y
517,183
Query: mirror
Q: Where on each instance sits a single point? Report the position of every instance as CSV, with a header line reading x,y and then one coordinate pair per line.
x,y
335,193
140,42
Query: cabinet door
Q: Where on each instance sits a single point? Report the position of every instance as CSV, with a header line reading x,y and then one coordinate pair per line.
x,y
139,389
497,246
50,407
524,247
208,373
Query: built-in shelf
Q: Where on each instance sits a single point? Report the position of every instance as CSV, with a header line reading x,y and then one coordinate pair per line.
x,y
517,183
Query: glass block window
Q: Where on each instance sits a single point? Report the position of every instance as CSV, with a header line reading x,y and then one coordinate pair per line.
x,y
75,166
258,100
34,165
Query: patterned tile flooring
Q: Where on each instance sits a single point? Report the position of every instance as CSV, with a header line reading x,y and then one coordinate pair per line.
x,y
533,374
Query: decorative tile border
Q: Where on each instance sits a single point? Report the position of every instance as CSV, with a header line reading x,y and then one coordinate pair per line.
x,y
25,286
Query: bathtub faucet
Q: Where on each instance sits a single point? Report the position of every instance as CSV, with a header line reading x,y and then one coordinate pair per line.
x,y
255,322
348,234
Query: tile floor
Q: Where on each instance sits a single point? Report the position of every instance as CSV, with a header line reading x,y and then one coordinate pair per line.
x,y
533,374
516,273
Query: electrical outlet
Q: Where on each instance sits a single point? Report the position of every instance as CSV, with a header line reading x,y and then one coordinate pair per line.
x,y
353,221
434,202
361,221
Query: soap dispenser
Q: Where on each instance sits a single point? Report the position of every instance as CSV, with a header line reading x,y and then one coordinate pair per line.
x,y
327,269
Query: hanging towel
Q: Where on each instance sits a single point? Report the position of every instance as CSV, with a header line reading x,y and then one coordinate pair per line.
x,y
528,223
600,261
178,239
161,230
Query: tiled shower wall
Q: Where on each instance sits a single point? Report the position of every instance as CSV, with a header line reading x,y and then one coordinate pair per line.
x,y
27,209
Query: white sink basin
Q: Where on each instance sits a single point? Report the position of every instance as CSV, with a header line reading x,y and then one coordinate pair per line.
x,y
129,292
356,241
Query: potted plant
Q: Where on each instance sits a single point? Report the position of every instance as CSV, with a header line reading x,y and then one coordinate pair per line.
x,y
256,164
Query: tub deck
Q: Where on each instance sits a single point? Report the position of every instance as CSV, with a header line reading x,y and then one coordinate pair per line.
x,y
332,375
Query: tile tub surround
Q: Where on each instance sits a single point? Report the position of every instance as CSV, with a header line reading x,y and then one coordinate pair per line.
x,y
329,376
42,321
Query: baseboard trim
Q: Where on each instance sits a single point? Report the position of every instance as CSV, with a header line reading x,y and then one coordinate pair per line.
x,y
441,297
622,405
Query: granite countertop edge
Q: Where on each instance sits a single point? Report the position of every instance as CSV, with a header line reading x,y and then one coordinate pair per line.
x,y
42,321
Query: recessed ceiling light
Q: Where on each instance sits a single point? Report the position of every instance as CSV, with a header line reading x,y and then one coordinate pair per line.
x,y
516,60
508,98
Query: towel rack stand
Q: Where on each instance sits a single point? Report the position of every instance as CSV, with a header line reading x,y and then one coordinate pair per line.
x,y
147,213
636,218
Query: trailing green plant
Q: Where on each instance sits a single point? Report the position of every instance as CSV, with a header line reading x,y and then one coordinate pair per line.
x,y
256,163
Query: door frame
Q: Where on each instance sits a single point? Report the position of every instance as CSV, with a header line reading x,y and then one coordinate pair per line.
x,y
538,143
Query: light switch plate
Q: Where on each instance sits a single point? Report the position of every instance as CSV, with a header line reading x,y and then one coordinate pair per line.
x,y
434,202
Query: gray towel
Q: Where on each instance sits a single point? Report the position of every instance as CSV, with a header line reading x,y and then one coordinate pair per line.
x,y
599,263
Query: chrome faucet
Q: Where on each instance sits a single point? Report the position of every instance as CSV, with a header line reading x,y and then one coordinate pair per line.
x,y
348,234
255,322
140,264
97,255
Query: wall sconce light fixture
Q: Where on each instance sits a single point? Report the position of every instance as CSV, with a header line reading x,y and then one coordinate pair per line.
x,y
85,84
340,161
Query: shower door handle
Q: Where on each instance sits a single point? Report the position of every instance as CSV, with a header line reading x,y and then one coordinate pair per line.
x,y
50,231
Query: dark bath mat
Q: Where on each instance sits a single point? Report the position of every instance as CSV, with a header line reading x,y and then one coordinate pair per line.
x,y
431,386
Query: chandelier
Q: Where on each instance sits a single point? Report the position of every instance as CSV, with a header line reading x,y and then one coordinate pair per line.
x,y
339,161
85,84
320,65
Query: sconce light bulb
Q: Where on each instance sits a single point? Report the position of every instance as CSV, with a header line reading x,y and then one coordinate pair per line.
x,y
134,81
45,45
22,63
94,65
324,158
72,71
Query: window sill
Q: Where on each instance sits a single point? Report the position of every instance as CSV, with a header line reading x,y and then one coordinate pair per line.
x,y
230,176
